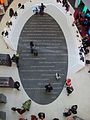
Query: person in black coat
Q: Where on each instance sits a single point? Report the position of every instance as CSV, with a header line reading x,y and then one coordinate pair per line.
x,y
19,110
32,46
48,87
64,2
41,115
6,34
69,90
74,109
67,7
15,58
42,7
19,5
11,12
68,113
15,14
17,85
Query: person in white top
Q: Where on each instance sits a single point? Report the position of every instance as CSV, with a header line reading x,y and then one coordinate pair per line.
x,y
58,76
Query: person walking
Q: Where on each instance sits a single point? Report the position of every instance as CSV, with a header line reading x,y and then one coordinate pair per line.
x,y
48,87
6,33
13,58
64,2
42,7
74,109
57,76
41,115
15,14
35,52
32,46
17,59
26,105
69,90
11,12
58,1
68,82
67,7
67,112
17,85
19,110
55,118
19,5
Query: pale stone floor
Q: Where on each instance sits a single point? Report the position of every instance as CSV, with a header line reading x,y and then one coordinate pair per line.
x,y
80,96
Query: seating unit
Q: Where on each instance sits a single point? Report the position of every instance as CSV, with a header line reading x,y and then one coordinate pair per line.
x,y
3,98
5,60
2,115
7,82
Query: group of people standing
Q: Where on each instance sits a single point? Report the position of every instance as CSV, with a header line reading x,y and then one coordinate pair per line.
x,y
6,33
49,87
82,21
65,4
73,110
12,13
15,58
69,111
68,86
39,9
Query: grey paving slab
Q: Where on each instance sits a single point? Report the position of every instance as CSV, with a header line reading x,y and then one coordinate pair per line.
x,y
36,72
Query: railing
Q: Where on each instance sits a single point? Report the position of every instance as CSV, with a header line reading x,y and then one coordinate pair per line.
x,y
65,21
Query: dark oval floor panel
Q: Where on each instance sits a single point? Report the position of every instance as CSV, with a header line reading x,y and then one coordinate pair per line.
x,y
37,71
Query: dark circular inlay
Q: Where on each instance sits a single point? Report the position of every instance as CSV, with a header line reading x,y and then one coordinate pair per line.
x,y
37,71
